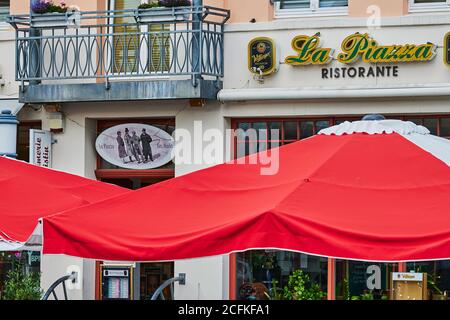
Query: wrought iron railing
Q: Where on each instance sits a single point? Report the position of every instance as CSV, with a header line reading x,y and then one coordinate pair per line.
x,y
184,42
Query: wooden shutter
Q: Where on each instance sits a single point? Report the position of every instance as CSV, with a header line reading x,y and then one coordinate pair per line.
x,y
126,46
159,50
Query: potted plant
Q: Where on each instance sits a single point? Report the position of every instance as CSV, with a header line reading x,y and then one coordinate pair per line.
x,y
47,14
163,11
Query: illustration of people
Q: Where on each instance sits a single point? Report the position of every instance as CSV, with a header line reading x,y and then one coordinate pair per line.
x,y
122,152
136,147
129,145
146,141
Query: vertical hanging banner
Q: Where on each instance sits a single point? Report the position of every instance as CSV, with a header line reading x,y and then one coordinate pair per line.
x,y
41,148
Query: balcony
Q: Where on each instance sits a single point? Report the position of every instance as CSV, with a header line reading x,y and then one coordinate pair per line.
x,y
170,53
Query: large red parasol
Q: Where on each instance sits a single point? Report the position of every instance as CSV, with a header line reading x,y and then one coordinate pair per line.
x,y
368,190
29,192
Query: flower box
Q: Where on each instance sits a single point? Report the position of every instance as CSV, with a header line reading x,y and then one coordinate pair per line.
x,y
55,20
162,14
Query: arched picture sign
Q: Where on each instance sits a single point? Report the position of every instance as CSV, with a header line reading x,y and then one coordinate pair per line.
x,y
135,146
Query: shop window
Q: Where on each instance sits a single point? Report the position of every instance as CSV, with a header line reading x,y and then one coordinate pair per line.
x,y
263,274
307,129
432,125
445,127
428,5
4,10
292,8
438,277
255,136
437,126
357,280
29,262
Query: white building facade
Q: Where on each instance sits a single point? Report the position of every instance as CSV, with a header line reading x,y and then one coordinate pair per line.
x,y
311,86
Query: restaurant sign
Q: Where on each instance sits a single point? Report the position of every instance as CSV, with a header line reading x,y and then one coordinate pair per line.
x,y
262,56
383,59
41,148
355,47
135,146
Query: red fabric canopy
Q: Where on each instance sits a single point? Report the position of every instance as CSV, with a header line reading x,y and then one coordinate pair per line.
x,y
29,192
365,197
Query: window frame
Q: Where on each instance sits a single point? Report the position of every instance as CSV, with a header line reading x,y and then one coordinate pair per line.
x,y
313,11
428,7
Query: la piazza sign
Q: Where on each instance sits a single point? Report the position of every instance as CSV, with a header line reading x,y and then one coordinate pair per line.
x,y
356,47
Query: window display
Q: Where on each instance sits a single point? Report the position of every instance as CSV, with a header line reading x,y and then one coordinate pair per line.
x,y
29,262
438,277
270,274
357,280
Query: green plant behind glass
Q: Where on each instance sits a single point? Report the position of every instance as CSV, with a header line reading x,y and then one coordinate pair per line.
x,y
300,287
20,285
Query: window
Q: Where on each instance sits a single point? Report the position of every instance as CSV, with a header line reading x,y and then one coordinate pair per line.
x,y
358,280
292,8
4,10
254,135
428,5
139,49
438,277
261,274
29,262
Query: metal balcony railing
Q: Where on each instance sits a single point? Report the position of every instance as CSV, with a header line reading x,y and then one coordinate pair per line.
x,y
134,44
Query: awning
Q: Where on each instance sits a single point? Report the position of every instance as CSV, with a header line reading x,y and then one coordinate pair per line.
x,y
368,190
29,192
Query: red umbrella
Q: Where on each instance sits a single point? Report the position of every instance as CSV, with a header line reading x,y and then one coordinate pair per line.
x,y
30,192
376,191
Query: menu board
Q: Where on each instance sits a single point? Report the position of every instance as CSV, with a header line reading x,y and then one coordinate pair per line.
x,y
116,283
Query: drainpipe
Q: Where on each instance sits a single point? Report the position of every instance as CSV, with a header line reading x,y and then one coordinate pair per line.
x,y
8,134
34,47
197,43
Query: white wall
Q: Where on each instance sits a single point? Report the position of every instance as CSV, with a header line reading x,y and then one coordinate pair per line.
x,y
206,278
